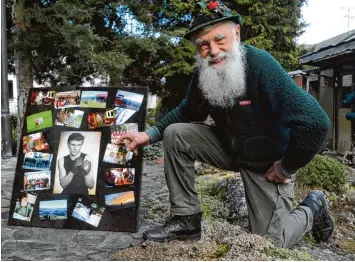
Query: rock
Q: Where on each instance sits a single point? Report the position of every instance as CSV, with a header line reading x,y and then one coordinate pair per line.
x,y
350,196
235,198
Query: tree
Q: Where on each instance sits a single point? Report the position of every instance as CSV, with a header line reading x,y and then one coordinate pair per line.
x,y
137,42
21,59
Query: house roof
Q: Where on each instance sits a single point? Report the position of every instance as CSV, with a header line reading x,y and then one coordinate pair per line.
x,y
338,45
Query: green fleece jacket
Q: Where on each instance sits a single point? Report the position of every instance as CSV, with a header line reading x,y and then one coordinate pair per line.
x,y
274,120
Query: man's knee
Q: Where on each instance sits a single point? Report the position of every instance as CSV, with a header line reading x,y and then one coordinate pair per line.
x,y
175,130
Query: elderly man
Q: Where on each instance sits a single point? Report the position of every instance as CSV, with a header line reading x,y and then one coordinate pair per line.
x,y
265,126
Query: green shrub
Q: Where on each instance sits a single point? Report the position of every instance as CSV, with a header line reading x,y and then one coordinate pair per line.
x,y
13,121
324,172
153,115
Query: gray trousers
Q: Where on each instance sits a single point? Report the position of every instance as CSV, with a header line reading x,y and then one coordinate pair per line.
x,y
269,205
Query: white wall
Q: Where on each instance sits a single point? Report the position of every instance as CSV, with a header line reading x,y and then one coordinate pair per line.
x,y
13,102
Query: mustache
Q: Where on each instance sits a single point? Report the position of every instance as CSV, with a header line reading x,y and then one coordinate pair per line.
x,y
220,56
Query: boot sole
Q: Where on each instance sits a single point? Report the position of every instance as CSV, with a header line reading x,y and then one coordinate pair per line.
x,y
182,238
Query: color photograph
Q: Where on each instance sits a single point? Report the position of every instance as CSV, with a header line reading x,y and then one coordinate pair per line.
x,y
42,97
117,177
69,117
67,99
77,163
120,200
93,99
53,209
37,161
90,213
117,131
35,142
37,181
117,154
122,115
101,119
39,121
128,100
24,207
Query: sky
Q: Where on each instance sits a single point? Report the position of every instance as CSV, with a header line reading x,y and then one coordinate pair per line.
x,y
53,204
326,19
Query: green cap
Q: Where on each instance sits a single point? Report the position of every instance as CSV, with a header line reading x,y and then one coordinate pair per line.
x,y
212,12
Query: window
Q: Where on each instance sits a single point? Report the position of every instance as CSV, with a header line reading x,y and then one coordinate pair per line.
x,y
11,89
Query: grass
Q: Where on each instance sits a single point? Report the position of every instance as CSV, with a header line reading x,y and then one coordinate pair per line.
x,y
287,254
92,104
47,121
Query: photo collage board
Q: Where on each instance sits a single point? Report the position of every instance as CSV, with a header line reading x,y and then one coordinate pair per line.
x,y
73,170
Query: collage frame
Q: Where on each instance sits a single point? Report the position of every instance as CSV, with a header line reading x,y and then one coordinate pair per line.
x,y
42,197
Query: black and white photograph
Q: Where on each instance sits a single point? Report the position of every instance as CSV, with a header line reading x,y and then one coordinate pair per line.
x,y
128,100
40,180
77,163
24,207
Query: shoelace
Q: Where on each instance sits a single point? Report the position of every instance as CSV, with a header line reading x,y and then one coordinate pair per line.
x,y
173,224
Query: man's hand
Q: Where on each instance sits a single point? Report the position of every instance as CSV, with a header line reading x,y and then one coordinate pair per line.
x,y
134,140
86,166
78,162
275,175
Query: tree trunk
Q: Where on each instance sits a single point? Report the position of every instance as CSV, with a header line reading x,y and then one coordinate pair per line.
x,y
25,82
23,67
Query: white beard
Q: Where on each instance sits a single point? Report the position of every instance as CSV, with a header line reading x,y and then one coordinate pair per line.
x,y
222,85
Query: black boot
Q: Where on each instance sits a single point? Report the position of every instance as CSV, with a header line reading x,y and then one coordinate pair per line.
x,y
178,227
323,225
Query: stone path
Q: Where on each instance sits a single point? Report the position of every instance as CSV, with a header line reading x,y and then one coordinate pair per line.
x,y
31,243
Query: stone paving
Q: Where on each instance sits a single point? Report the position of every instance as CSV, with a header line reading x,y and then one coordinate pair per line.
x,y
31,243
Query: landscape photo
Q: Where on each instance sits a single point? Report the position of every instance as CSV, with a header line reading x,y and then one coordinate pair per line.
x,y
37,161
67,99
53,210
88,213
69,117
40,180
35,142
93,99
120,200
39,121
128,100
42,97
24,207
117,177
117,131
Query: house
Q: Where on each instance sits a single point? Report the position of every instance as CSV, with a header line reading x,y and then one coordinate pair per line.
x,y
330,79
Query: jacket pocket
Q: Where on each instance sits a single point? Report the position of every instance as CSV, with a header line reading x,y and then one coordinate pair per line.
x,y
262,148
